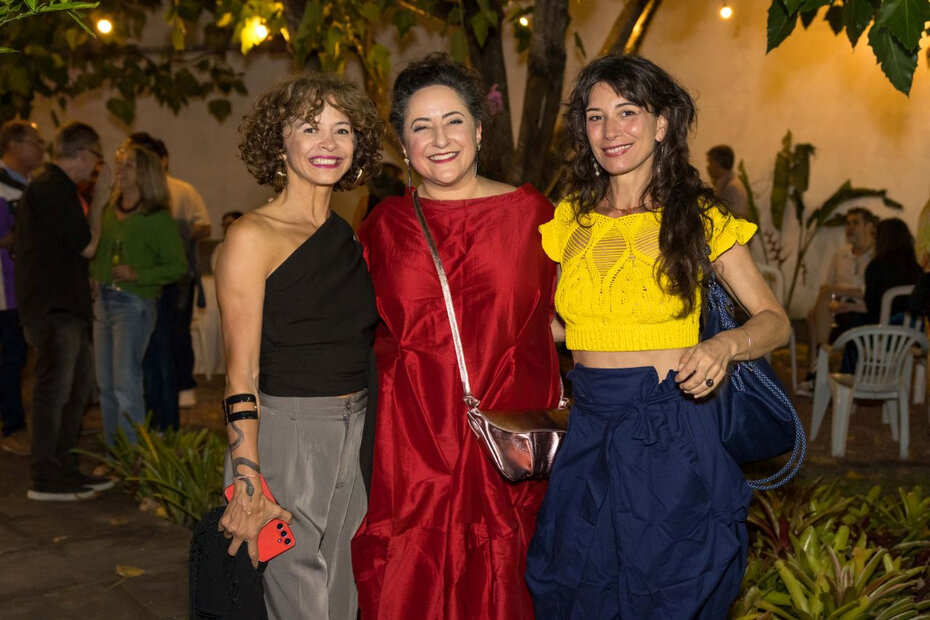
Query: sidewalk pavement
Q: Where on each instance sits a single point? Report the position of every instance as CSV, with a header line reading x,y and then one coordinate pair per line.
x,y
64,560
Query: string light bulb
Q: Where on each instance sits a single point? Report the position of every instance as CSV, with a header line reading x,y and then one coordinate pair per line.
x,y
725,11
104,26
524,21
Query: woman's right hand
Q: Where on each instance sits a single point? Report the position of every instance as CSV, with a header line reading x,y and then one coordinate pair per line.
x,y
245,517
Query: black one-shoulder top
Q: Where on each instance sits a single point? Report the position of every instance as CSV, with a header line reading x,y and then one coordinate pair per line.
x,y
319,317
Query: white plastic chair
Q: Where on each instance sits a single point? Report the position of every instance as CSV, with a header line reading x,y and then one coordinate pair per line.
x,y
776,281
920,369
883,372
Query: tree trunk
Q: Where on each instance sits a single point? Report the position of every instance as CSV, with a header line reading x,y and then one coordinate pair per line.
x,y
541,102
496,156
630,26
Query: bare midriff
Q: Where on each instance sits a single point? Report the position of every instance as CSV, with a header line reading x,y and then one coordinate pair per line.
x,y
662,360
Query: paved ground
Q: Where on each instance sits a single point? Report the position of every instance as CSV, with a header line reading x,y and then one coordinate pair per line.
x,y
64,561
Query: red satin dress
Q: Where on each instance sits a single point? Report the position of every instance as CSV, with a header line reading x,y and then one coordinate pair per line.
x,y
446,535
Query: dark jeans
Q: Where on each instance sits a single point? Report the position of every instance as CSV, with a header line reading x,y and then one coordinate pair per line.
x,y
63,362
12,360
183,348
158,367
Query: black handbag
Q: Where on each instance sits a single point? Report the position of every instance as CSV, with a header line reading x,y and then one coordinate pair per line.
x,y
222,586
756,417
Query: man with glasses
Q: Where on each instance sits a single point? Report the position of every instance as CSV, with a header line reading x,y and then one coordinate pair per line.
x,y
53,242
21,152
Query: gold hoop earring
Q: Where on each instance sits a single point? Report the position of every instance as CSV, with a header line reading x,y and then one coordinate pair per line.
x,y
279,181
359,175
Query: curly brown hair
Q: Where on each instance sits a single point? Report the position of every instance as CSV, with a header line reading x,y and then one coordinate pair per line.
x,y
675,185
302,96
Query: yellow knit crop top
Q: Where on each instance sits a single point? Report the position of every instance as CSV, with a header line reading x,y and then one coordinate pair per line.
x,y
608,294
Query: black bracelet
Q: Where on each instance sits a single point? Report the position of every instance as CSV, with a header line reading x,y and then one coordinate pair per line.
x,y
240,415
235,416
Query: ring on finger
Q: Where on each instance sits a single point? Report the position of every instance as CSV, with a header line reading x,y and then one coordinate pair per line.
x,y
709,382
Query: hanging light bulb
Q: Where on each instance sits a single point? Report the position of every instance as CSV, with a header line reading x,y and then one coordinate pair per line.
x,y
104,26
725,11
524,21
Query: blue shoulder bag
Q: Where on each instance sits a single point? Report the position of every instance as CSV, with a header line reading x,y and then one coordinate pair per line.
x,y
757,419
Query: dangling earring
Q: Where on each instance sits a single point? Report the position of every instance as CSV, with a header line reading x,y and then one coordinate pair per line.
x,y
359,175
597,168
280,175
409,174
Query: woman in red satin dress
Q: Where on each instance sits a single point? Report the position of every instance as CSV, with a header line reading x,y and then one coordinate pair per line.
x,y
446,535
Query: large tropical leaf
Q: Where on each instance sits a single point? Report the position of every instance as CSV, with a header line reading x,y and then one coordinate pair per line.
x,y
897,63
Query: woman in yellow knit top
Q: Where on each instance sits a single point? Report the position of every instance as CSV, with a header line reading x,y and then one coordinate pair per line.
x,y
645,512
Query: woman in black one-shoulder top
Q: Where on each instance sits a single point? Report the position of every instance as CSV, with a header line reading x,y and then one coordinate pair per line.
x,y
298,315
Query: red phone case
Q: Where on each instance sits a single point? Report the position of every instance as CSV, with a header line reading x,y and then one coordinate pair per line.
x,y
276,537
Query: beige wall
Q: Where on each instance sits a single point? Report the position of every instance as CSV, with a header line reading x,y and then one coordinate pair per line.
x,y
814,85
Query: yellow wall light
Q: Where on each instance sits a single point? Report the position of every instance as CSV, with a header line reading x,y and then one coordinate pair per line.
x,y
725,11
254,31
104,26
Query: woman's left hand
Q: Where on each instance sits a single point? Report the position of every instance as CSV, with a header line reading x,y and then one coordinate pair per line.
x,y
703,367
124,273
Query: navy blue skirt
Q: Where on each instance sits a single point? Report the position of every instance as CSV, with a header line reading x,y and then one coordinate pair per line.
x,y
645,515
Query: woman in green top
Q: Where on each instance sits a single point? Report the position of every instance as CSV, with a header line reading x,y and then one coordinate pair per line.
x,y
140,250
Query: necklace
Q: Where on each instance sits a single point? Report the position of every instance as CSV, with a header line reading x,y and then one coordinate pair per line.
x,y
119,206
622,212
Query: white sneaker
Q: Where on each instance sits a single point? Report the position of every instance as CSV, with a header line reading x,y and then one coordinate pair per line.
x,y
187,398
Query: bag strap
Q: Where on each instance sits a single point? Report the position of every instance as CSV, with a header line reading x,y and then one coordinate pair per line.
x,y
469,398
714,294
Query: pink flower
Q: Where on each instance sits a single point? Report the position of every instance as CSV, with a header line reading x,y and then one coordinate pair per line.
x,y
495,100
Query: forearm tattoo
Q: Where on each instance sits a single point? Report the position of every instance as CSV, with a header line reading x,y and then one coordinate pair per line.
x,y
239,436
236,462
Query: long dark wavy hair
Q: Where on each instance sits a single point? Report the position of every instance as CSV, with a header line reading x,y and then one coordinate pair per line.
x,y
675,185
894,242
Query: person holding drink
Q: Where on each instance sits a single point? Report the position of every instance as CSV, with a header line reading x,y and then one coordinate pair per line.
x,y
140,251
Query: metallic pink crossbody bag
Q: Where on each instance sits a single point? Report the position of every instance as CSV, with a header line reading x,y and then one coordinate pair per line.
x,y
522,444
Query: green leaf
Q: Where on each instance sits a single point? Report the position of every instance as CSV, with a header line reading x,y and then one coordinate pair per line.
x,y
219,109
18,80
780,182
813,5
807,17
404,20
857,15
905,19
801,167
479,26
791,6
799,206
897,63
834,17
371,12
458,46
750,196
124,110
780,25
379,60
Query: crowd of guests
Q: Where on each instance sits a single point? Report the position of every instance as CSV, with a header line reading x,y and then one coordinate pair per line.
x,y
99,276
344,406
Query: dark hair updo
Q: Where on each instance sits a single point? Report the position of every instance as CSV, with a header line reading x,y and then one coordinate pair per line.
x,y
437,69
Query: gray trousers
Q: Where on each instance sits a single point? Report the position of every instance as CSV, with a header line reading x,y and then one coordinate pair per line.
x,y
308,450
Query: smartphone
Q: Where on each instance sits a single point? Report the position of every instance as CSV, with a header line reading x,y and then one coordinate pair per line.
x,y
276,537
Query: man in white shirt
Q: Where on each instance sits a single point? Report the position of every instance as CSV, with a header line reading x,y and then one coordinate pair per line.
x,y
839,304
169,360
